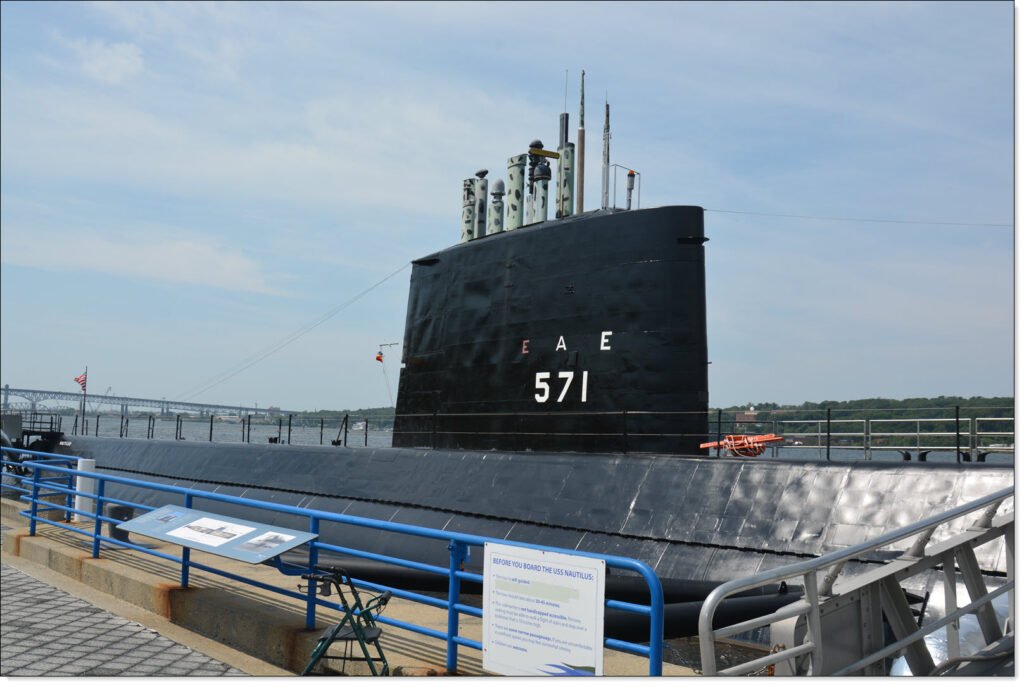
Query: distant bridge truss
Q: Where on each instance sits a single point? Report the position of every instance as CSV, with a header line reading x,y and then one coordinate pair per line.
x,y
33,397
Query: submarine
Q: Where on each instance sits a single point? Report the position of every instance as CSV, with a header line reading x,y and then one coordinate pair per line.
x,y
554,390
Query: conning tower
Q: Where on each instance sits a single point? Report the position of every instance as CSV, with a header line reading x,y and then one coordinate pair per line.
x,y
583,333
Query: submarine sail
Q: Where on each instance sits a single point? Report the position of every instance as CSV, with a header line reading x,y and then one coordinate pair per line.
x,y
583,334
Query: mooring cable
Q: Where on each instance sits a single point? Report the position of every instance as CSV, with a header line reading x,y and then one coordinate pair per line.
x,y
266,352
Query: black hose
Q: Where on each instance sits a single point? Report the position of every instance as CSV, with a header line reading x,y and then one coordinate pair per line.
x,y
628,589
683,597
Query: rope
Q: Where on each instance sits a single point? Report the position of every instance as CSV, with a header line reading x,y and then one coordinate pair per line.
x,y
282,342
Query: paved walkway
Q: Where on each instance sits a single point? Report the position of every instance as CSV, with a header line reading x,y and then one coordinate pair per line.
x,y
47,632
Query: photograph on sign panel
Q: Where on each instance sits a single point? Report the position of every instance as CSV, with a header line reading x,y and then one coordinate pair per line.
x,y
211,532
264,542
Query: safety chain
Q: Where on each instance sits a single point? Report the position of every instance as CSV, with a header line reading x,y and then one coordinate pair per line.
x,y
769,670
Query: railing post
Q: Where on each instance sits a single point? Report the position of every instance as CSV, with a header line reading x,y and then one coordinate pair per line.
x,y
814,621
775,430
958,434
949,588
1011,596
289,429
314,558
625,433
829,581
867,423
97,426
867,436
321,431
972,427
34,508
345,425
657,637
457,555
97,528
433,432
718,450
248,430
366,431
186,553
828,435
920,543
69,498
985,521
211,427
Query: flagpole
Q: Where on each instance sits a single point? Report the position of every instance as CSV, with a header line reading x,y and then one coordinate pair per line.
x,y
384,368
86,376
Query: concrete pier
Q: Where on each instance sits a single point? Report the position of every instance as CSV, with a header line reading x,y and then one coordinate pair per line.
x,y
262,632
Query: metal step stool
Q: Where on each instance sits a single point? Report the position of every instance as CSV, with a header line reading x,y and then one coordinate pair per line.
x,y
358,625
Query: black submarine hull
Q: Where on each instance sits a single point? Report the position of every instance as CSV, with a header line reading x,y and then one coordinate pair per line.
x,y
696,519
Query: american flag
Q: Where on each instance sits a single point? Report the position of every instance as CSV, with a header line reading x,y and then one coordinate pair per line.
x,y
80,380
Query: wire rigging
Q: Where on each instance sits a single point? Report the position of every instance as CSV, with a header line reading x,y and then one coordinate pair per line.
x,y
857,219
269,350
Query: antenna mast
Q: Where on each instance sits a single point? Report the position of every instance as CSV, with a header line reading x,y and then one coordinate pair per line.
x,y
605,155
581,136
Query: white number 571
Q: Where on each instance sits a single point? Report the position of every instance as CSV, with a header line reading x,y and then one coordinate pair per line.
x,y
544,390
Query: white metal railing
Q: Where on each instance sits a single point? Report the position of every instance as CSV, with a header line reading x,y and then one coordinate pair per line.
x,y
977,435
878,588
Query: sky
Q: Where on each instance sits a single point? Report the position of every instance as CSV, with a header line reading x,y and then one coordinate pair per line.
x,y
187,188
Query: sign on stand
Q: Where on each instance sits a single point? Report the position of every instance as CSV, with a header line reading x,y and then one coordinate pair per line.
x,y
238,539
543,612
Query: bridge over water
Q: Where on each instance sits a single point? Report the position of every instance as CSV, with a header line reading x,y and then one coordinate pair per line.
x,y
33,397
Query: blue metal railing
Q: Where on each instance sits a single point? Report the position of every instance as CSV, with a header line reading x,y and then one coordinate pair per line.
x,y
51,475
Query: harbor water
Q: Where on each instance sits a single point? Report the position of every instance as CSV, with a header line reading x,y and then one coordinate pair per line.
x,y
310,433
195,429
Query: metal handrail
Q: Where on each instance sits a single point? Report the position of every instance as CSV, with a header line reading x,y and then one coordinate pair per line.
x,y
970,444
902,643
458,545
808,569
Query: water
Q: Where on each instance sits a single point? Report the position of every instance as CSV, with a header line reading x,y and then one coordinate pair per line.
x,y
228,432
309,434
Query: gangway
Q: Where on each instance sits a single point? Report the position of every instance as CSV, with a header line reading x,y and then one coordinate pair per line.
x,y
842,628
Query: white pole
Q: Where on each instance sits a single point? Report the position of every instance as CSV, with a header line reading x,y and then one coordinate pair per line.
x,y
85,487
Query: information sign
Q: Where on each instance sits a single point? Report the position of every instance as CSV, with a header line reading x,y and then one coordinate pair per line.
x,y
238,539
543,612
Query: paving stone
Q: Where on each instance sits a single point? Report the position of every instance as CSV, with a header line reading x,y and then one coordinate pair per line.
x,y
46,632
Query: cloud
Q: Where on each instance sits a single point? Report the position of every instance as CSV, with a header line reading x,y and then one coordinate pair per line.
x,y
377,151
177,260
111,63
